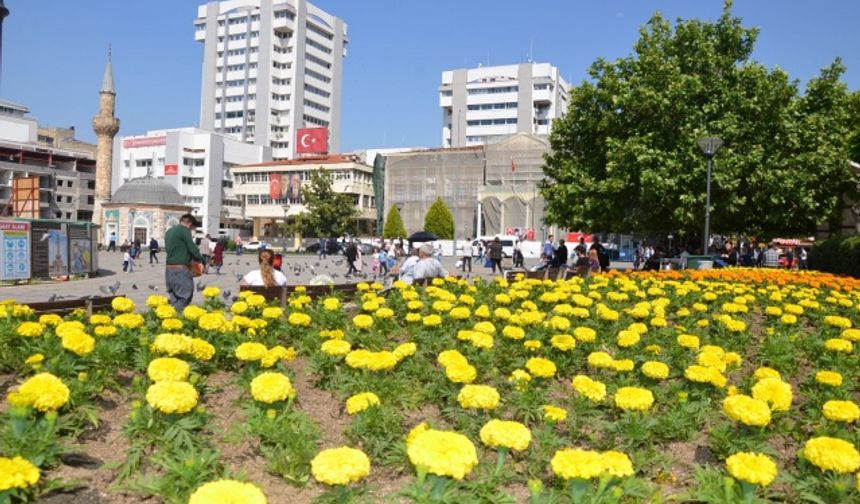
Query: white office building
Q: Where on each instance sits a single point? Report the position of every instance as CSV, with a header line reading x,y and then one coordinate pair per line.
x,y
270,67
482,105
197,163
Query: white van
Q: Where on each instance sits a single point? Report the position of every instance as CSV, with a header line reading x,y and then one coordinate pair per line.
x,y
507,243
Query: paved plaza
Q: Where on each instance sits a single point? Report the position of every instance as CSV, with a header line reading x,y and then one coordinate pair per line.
x,y
149,279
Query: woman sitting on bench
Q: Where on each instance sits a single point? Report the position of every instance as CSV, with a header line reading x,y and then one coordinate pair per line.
x,y
267,275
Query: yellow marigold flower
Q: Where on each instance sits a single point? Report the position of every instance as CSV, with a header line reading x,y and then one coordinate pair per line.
x,y
654,349
503,299
299,319
201,349
461,373
753,468
239,307
485,327
451,358
100,319
622,365
563,342
634,398
659,322
156,300
168,369
228,492
627,338
600,360
211,292
577,464
79,343
532,345
747,410
172,397
594,390
256,300
68,327
336,347
773,311
831,378
17,472
250,351
193,312
332,334
104,331
441,306
513,332
171,324
432,320
370,306
36,358
839,345
559,323
851,334
443,453
43,392
540,367
788,319
837,321
688,341
616,463
384,313
122,304
655,370
832,454
460,313
502,313
331,304
360,402
273,312
362,321
482,340
340,466
30,329
505,434
478,397
766,372
210,321
775,392
50,319
415,432
129,320
703,374
276,354
841,411
520,376
554,413
271,387
413,317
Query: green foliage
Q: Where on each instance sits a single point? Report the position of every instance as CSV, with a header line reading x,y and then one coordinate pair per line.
x,y
837,255
394,227
626,157
329,213
439,220
181,474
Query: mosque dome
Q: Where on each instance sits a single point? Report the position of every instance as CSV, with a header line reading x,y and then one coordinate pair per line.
x,y
147,191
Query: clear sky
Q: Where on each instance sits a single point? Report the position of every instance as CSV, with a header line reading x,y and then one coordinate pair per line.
x,y
54,53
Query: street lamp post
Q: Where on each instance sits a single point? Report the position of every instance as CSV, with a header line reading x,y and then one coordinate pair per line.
x,y
709,146
670,240
286,207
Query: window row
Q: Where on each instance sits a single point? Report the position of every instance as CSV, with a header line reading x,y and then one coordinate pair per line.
x,y
317,45
316,106
317,91
318,76
491,122
494,106
494,90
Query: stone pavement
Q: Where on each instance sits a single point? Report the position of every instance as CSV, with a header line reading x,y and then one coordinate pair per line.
x,y
149,279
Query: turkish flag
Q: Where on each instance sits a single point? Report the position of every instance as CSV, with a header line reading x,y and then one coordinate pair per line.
x,y
312,140
274,185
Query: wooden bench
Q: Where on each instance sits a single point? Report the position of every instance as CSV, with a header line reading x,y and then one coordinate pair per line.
x,y
580,271
90,304
282,294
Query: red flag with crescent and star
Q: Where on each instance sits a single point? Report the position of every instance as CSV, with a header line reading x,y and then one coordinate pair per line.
x,y
312,140
274,185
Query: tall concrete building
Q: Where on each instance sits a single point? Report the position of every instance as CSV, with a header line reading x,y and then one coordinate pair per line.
x,y
197,164
106,126
270,67
484,104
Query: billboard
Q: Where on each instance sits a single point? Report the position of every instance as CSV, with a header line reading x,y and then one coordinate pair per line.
x,y
58,252
132,143
312,140
15,250
171,169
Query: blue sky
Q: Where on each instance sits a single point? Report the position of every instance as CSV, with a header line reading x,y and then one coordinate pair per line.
x,y
54,53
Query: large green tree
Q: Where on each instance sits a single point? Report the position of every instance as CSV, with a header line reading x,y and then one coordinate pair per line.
x,y
439,220
329,213
625,158
394,227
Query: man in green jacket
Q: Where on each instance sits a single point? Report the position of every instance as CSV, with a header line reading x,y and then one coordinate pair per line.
x,y
180,251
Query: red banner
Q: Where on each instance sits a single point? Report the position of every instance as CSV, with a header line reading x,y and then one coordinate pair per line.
x,y
171,169
131,143
274,185
312,140
574,237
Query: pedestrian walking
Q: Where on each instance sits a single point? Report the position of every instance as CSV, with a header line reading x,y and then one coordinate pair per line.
x,y
495,250
153,250
181,251
323,251
128,261
239,244
112,243
205,249
218,256
351,254
466,256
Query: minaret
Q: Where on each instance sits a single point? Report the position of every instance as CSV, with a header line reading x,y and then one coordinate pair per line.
x,y
106,126
3,13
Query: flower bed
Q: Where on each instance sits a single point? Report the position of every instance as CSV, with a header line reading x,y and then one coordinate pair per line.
x,y
707,386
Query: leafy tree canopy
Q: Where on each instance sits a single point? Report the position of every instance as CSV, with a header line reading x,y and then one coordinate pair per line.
x,y
394,227
439,220
329,213
625,158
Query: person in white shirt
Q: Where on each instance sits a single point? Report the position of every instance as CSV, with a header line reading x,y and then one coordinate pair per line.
x,y
407,269
267,275
428,266
466,256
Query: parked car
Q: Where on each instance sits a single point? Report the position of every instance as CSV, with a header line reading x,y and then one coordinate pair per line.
x,y
332,247
256,245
